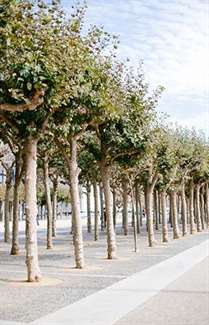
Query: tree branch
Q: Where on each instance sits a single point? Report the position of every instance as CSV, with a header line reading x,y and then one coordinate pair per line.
x,y
8,121
36,100
154,180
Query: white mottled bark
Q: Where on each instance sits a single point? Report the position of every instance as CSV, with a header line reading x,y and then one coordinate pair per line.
x,y
183,210
197,200
207,203
164,217
191,208
15,221
6,205
30,152
75,201
111,240
176,234
125,206
88,204
48,203
96,212
150,224
54,206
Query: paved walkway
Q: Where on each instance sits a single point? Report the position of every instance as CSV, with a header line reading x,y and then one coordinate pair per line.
x,y
184,302
107,306
66,289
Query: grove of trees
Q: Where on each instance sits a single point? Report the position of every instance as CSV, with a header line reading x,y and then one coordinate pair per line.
x,y
70,110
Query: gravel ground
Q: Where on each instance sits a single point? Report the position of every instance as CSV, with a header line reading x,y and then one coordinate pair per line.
x,y
62,284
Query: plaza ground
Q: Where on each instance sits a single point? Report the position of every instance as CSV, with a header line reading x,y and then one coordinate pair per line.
x,y
63,286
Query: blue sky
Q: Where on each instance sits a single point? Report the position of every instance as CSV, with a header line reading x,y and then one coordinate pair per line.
x,y
172,38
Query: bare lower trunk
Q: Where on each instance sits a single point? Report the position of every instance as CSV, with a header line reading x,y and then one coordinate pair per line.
x,y
150,226
1,210
207,204
54,206
10,210
6,216
111,240
156,210
6,205
96,213
141,209
125,206
170,212
176,234
134,220
75,202
183,210
101,207
114,206
197,203
88,204
202,208
191,208
164,217
30,152
48,203
159,207
15,221
138,208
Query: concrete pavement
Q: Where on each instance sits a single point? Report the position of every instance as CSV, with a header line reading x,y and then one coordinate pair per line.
x,y
184,302
107,306
63,286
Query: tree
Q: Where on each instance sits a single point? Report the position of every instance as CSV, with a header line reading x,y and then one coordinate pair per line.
x,y
37,42
7,161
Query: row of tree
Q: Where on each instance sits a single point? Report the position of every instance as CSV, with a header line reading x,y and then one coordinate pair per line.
x,y
67,100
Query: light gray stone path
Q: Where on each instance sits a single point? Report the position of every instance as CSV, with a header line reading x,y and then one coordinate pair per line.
x,y
184,302
109,305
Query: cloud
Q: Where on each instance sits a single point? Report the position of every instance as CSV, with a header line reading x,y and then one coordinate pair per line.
x,y
172,39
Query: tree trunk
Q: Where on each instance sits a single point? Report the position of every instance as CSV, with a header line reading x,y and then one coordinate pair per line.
x,y
159,207
197,200
164,217
96,212
1,210
114,206
138,208
88,204
202,208
111,240
30,151
125,206
134,220
6,205
156,210
15,221
10,210
179,204
54,206
183,210
75,201
191,207
207,203
141,209
101,207
150,226
48,203
170,212
176,234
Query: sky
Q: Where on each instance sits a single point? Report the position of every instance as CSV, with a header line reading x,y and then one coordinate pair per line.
x,y
172,39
